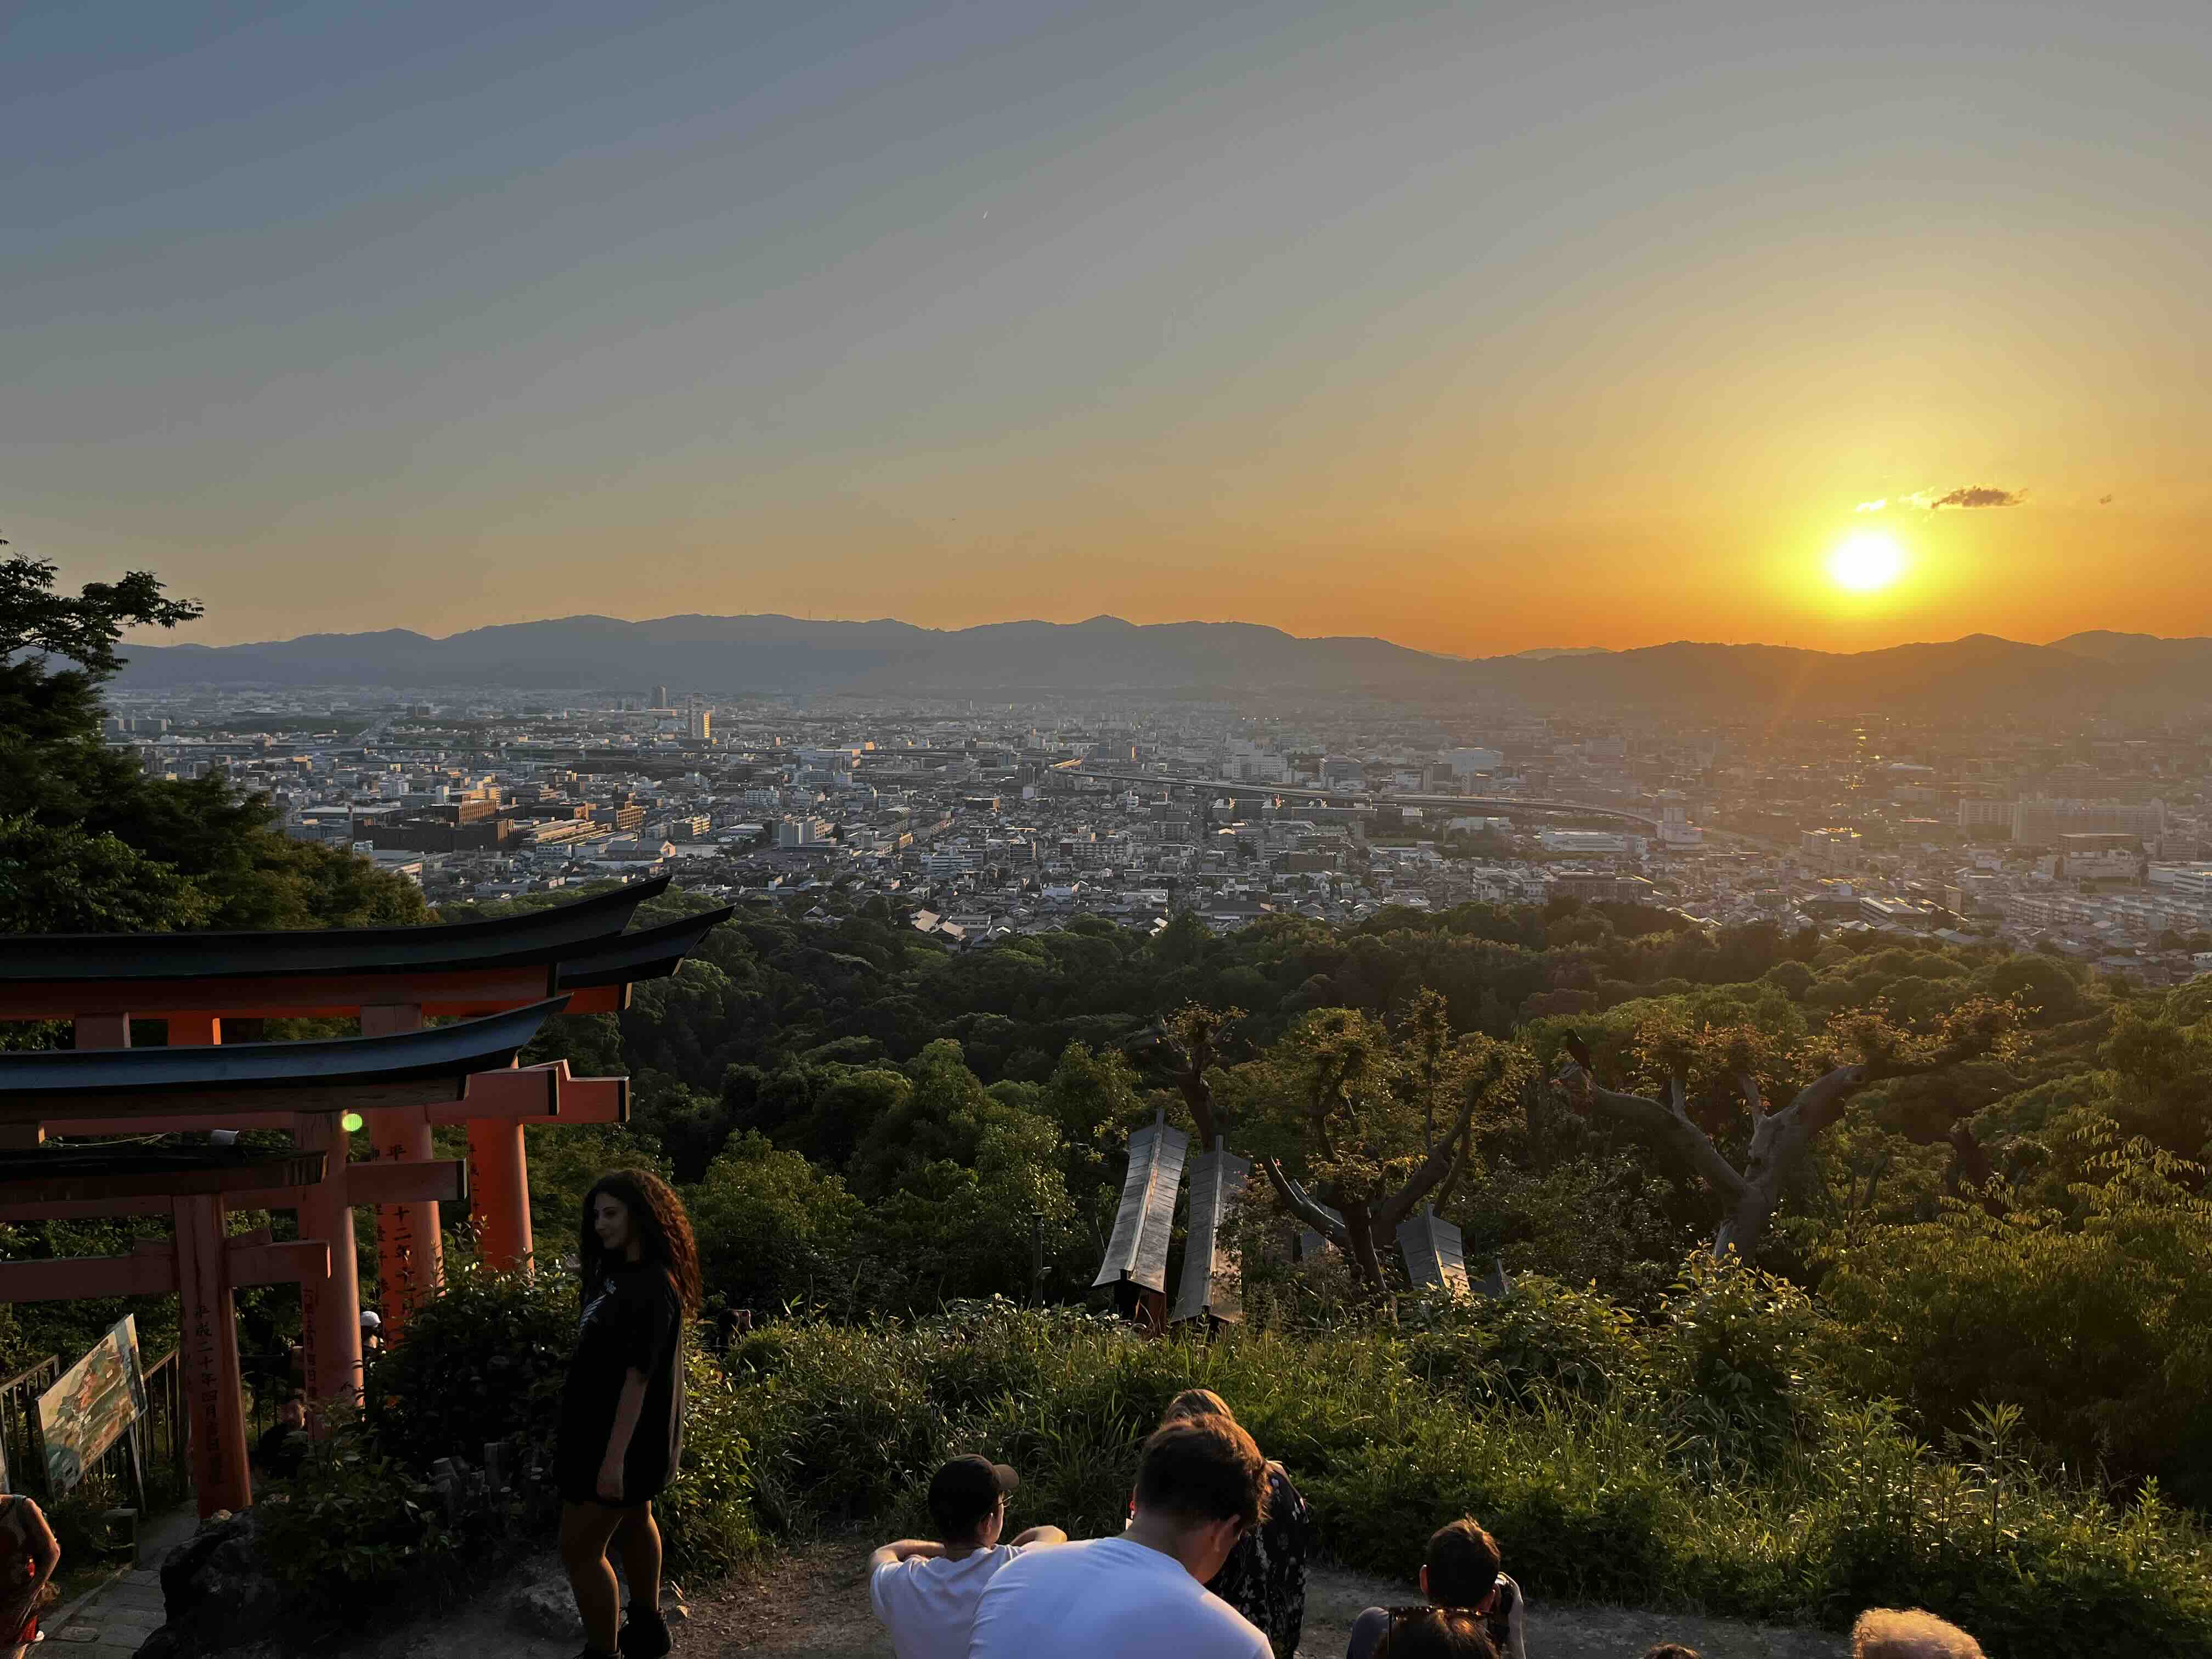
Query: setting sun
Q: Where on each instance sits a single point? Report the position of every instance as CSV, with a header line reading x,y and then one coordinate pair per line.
x,y
1866,562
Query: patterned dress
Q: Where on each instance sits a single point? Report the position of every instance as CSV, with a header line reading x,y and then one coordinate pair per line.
x,y
1265,1576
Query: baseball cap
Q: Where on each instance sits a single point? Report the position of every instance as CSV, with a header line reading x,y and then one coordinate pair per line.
x,y
965,1490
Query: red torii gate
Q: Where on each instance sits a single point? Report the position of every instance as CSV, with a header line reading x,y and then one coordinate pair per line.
x,y
304,1083
391,978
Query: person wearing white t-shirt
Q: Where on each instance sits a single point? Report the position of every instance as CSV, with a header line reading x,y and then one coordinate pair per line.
x,y
1199,1484
925,1593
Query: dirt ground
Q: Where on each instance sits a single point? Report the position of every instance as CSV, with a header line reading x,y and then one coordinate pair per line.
x,y
813,1601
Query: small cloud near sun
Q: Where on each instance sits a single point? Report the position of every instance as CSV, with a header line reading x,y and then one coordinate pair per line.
x,y
1875,506
1980,496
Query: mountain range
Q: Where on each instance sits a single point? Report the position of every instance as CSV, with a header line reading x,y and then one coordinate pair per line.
x,y
729,655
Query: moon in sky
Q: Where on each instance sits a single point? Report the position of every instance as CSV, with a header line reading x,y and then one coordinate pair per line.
x,y
1869,560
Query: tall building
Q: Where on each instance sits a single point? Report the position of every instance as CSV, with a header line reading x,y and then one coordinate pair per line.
x,y
660,696
699,722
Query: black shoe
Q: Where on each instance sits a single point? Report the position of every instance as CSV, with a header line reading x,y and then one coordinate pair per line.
x,y
644,1634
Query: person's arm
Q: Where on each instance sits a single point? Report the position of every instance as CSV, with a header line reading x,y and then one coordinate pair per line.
x,y
1367,1633
905,1549
45,1549
1516,1627
628,1409
1039,1535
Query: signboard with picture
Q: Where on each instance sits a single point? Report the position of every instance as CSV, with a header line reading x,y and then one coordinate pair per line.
x,y
92,1406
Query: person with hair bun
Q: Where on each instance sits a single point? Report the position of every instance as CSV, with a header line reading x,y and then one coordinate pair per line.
x,y
621,1437
1426,1633
1265,1576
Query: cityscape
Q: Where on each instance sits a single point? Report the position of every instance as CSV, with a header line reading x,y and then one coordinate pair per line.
x,y
975,822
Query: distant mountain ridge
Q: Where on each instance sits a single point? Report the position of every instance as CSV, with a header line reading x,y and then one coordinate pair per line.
x,y
725,655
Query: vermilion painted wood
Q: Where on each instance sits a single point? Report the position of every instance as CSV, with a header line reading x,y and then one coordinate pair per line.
x,y
442,992
499,1178
410,1249
329,1308
72,1278
208,1348
297,1261
444,1180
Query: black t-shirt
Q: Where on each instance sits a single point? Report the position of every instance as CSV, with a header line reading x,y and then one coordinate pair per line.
x,y
634,1322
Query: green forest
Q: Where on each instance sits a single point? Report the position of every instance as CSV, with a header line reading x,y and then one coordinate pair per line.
x,y
1954,1346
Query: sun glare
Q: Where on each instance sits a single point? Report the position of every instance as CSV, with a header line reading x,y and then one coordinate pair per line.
x,y
1866,562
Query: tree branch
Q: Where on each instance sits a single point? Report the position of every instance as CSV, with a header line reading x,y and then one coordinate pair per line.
x,y
1433,1169
1752,1099
1295,1200
1669,1125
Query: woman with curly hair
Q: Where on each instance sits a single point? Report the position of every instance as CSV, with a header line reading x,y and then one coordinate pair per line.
x,y
622,1408
1265,1576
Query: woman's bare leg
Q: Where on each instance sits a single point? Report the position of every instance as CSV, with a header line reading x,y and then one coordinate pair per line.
x,y
585,1530
638,1538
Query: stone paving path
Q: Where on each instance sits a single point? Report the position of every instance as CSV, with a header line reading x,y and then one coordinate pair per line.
x,y
116,1619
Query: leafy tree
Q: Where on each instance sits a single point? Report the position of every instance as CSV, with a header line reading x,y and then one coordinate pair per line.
x,y
57,773
1384,1120
64,881
1688,1062
772,1228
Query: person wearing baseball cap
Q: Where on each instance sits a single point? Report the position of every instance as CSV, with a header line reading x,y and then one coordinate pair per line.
x,y
924,1592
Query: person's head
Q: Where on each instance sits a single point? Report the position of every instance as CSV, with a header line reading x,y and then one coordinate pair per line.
x,y
1460,1568
1913,1634
1435,1633
1671,1650
633,1215
1196,1402
292,1412
968,1501
1203,1482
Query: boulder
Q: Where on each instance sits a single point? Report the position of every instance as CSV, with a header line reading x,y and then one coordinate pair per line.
x,y
216,1591
544,1605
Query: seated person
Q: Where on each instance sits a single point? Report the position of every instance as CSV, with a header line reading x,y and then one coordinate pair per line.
x,y
1265,1576
1909,1633
1434,1633
284,1442
1461,1570
925,1593
1201,1484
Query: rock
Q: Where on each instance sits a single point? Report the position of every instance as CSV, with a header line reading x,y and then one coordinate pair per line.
x,y
543,1607
216,1591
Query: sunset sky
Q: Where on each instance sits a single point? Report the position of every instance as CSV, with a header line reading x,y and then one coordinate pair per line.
x,y
1477,327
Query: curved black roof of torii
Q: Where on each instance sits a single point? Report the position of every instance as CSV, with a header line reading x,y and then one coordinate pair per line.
x,y
584,937
457,1051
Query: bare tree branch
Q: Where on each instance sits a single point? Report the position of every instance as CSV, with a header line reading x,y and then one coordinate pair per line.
x,y
1298,1204
1668,1124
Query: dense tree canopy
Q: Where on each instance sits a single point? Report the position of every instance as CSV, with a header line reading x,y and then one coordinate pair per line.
x,y
204,855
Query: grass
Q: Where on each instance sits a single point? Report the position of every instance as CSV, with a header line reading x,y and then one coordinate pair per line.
x,y
1608,1498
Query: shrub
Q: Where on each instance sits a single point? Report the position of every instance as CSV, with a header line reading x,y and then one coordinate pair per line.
x,y
357,1523
707,1513
1546,1338
2094,1324
483,1360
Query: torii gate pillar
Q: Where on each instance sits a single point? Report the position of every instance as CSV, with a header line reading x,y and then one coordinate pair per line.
x,y
409,1251
499,1193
